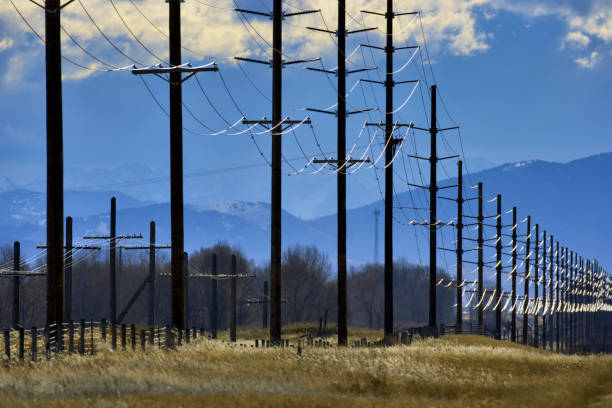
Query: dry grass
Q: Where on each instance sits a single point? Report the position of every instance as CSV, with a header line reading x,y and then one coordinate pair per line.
x,y
455,371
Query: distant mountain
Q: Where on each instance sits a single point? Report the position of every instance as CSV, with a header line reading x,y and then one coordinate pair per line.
x,y
568,200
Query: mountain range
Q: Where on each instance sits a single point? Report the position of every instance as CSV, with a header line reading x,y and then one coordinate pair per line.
x,y
569,200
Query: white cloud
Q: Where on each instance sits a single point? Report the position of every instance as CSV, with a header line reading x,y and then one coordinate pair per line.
x,y
576,39
5,44
588,62
450,26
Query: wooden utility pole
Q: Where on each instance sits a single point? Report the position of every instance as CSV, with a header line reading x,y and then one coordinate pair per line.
x,y
513,275
276,124
498,267
551,293
233,300
526,281
544,301
16,284
149,281
390,148
177,294
343,162
55,164
433,209
175,71
536,283
459,277
558,320
152,275
480,265
113,263
213,298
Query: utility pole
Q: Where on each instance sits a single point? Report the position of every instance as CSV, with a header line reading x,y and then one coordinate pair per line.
x,y
536,281
433,208
112,238
526,281
558,320
551,293
233,300
480,265
572,290
214,301
152,274
175,71
342,163
565,299
55,164
498,267
16,283
513,275
390,148
149,281
376,214
459,278
544,301
276,124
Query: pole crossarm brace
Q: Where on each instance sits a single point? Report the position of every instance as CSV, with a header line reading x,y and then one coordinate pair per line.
x,y
393,83
437,158
270,14
342,163
132,236
396,125
159,70
411,13
336,112
144,247
284,63
347,32
10,272
214,277
93,247
52,10
438,130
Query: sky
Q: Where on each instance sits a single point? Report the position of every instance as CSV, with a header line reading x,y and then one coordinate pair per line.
x,y
523,79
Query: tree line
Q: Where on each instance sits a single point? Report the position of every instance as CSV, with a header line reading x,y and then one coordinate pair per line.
x,y
309,289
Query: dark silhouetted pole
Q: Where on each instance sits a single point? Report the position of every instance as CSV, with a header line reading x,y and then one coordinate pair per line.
x,y
433,218
233,300
186,286
213,300
498,267
544,300
16,283
558,320
276,207
342,166
113,265
480,261
551,292
389,176
265,305
152,275
55,164
177,296
536,287
526,281
513,275
68,272
459,321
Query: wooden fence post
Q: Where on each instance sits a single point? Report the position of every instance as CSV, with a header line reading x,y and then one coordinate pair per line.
x,y
34,343
7,344
21,336
103,321
71,337
143,339
133,334
82,337
152,335
123,339
113,336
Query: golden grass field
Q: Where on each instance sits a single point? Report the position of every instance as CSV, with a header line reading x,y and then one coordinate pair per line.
x,y
454,371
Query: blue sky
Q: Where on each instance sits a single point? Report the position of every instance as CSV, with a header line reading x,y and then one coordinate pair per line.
x,y
524,80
